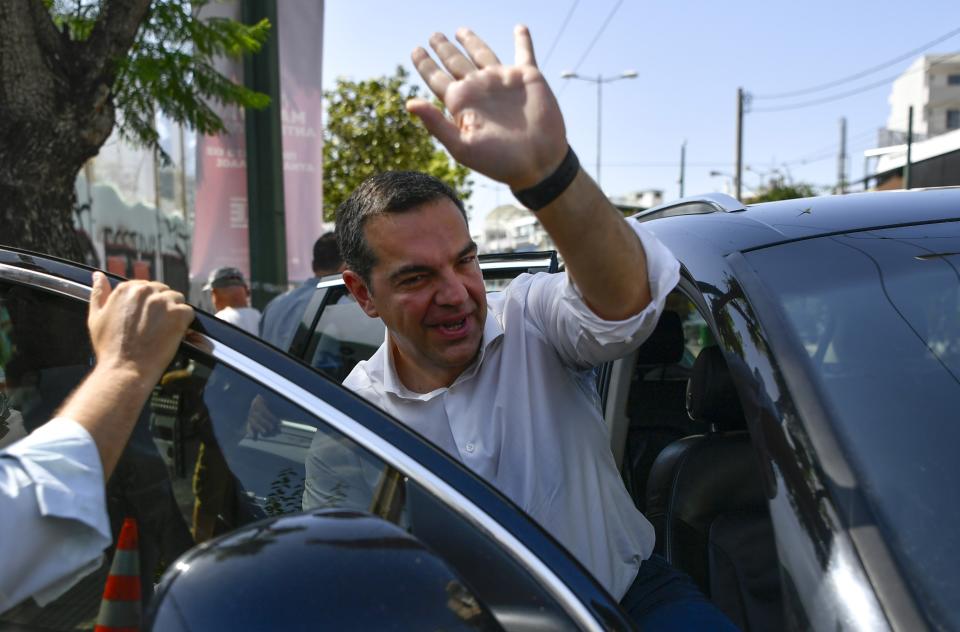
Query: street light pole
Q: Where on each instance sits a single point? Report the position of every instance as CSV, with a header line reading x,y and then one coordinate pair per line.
x,y
600,80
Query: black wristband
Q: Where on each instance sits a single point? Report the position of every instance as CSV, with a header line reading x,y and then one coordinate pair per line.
x,y
550,188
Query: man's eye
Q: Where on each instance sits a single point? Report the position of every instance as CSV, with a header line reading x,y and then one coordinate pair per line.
x,y
412,280
468,259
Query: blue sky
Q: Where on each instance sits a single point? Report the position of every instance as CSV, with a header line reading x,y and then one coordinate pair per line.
x,y
691,56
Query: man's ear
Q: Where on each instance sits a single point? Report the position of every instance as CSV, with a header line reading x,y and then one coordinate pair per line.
x,y
361,292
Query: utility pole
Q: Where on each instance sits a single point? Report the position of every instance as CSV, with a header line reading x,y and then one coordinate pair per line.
x,y
842,158
738,173
683,163
906,167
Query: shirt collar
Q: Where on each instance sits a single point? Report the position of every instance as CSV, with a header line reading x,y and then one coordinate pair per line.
x,y
492,333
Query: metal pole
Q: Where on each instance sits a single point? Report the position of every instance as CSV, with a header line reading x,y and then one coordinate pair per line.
x,y
267,233
599,118
683,162
842,158
183,173
738,174
906,167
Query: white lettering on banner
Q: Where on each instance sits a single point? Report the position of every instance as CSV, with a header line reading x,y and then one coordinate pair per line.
x,y
238,212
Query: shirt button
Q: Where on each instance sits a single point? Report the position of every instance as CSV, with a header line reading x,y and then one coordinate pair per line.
x,y
469,447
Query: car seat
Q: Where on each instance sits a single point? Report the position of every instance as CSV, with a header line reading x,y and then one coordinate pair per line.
x,y
708,507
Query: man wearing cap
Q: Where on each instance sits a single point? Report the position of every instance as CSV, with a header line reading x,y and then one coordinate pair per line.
x,y
231,299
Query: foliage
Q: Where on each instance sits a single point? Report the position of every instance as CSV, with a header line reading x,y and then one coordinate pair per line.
x,y
369,130
782,191
170,68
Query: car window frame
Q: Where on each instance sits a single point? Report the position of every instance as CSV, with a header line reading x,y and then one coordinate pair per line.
x,y
562,576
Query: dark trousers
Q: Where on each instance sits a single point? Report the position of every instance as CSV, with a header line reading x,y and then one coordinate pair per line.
x,y
662,599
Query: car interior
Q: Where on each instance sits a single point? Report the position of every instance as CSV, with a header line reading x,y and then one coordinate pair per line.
x,y
690,467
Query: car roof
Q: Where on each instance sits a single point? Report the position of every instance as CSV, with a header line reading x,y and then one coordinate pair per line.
x,y
731,226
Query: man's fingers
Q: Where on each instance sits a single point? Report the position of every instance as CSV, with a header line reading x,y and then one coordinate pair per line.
x,y
481,54
100,292
451,57
436,79
437,124
523,46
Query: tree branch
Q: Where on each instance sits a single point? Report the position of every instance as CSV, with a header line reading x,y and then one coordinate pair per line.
x,y
113,35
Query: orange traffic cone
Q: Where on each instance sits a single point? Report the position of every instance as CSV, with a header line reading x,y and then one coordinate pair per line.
x,y
120,607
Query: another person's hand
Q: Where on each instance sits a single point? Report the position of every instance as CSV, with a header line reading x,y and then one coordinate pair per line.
x,y
261,420
137,326
505,121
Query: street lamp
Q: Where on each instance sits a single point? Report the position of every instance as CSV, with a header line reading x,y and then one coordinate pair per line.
x,y
599,80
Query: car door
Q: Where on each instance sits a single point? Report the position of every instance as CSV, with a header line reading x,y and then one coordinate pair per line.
x,y
236,432
335,334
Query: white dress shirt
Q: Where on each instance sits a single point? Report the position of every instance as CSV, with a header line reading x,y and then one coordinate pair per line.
x,y
53,514
526,415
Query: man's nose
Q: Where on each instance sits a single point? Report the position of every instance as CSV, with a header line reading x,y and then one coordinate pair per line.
x,y
452,290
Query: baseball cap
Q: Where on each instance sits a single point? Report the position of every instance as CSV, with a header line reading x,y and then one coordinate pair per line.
x,y
225,276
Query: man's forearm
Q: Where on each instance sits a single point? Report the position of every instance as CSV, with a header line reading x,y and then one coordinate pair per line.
x,y
601,251
107,404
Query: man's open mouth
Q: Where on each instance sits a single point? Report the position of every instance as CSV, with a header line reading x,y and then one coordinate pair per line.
x,y
455,326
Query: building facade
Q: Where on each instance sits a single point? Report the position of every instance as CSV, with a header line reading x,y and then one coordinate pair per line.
x,y
932,86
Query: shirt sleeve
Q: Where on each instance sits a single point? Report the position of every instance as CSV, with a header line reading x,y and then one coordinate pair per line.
x,y
583,339
53,516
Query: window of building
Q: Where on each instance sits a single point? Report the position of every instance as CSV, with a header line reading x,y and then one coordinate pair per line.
x,y
953,119
953,80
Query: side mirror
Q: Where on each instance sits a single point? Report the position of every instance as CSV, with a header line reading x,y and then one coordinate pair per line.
x,y
320,570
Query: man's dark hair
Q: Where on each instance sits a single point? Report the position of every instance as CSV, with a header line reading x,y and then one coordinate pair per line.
x,y
387,192
326,254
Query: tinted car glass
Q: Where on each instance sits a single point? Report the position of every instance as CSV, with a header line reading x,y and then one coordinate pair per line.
x,y
878,316
213,450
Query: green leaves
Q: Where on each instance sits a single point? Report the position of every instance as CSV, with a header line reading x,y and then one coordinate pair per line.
x,y
170,67
369,130
783,191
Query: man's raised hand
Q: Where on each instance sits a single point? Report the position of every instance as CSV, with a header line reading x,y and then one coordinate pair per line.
x,y
504,120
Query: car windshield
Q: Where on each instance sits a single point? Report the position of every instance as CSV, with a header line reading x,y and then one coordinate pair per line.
x,y
878,314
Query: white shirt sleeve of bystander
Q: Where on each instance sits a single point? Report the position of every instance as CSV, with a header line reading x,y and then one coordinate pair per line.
x,y
582,338
53,517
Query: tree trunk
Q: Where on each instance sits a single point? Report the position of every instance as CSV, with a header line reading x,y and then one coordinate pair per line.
x,y
55,113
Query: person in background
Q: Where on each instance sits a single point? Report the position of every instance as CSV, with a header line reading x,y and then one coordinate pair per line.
x,y
53,515
231,299
282,315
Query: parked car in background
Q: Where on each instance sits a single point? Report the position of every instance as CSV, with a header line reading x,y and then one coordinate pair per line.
x,y
789,428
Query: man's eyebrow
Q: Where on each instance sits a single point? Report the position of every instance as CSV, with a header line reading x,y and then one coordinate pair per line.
x,y
414,268
469,248
408,269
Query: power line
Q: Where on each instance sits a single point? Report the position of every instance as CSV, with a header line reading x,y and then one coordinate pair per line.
x,y
862,73
556,40
596,37
850,93
675,163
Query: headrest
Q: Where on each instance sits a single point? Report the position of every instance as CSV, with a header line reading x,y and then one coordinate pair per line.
x,y
711,395
665,344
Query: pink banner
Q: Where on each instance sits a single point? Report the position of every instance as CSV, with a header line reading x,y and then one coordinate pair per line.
x,y
300,27
220,233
